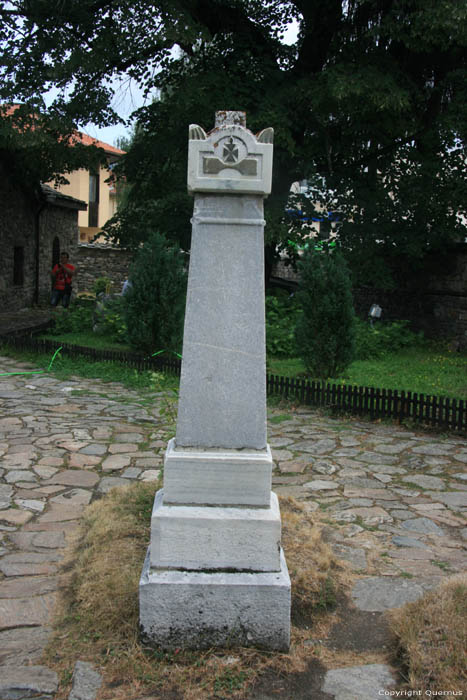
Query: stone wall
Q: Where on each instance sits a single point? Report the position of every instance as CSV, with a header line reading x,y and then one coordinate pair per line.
x,y
286,272
20,214
16,231
435,304
439,314
61,223
96,261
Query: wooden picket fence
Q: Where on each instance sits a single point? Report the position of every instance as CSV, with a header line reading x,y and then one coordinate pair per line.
x,y
436,411
162,363
375,403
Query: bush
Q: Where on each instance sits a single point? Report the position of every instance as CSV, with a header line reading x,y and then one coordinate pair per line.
x,y
102,285
77,318
155,302
109,317
375,341
325,332
281,318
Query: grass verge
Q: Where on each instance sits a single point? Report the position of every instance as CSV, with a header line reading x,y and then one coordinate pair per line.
x,y
65,367
87,340
431,635
429,370
98,613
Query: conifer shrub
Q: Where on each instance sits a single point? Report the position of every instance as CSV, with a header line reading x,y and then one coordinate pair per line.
x,y
325,331
155,300
281,316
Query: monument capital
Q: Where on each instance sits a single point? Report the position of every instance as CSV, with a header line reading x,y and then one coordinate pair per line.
x,y
230,158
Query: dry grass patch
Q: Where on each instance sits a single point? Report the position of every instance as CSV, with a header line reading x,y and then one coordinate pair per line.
x,y
98,616
432,637
312,565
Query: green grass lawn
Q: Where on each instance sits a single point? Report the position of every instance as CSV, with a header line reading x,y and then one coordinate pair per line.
x,y
65,367
86,339
428,370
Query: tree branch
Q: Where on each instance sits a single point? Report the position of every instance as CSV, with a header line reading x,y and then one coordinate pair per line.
x,y
227,19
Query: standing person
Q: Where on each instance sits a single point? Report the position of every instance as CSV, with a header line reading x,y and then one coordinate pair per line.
x,y
126,286
62,275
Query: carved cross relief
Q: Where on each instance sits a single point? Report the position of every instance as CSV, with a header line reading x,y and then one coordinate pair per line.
x,y
230,152
230,157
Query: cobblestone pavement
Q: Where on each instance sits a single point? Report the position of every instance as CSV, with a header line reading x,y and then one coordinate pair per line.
x,y
394,499
25,320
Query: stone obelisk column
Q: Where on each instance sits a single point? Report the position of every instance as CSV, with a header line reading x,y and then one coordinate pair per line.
x,y
215,573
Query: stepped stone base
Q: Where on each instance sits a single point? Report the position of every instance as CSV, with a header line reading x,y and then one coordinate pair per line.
x,y
215,537
197,610
217,476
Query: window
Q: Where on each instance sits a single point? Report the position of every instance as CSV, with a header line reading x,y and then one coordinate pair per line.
x,y
18,266
55,251
93,207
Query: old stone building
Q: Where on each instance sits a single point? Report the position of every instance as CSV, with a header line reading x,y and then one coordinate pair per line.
x,y
35,225
97,186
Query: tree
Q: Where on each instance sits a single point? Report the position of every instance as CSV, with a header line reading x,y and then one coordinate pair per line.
x,y
154,198
370,99
325,331
36,148
155,300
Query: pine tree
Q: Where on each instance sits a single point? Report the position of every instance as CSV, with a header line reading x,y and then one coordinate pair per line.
x,y
155,301
325,334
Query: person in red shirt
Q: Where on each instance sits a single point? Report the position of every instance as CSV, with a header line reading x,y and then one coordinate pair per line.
x,y
62,275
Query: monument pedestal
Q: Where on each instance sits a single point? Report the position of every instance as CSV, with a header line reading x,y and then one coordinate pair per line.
x,y
215,574
199,610
217,476
208,538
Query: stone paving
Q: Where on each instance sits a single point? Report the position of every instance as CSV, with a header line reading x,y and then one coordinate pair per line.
x,y
25,320
394,502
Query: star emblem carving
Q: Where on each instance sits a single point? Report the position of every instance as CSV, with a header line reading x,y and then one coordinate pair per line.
x,y
230,153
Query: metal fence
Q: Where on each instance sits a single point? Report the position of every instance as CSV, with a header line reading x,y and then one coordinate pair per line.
x,y
436,411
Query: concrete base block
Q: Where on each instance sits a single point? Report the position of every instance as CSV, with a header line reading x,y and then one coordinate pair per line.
x,y
209,537
197,610
217,476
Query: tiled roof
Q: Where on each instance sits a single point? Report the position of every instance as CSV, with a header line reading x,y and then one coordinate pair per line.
x,y
89,141
8,110
78,136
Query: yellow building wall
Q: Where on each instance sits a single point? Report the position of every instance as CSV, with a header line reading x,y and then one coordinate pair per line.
x,y
78,187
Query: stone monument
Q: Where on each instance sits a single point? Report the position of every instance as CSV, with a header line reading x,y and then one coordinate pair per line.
x,y
215,573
